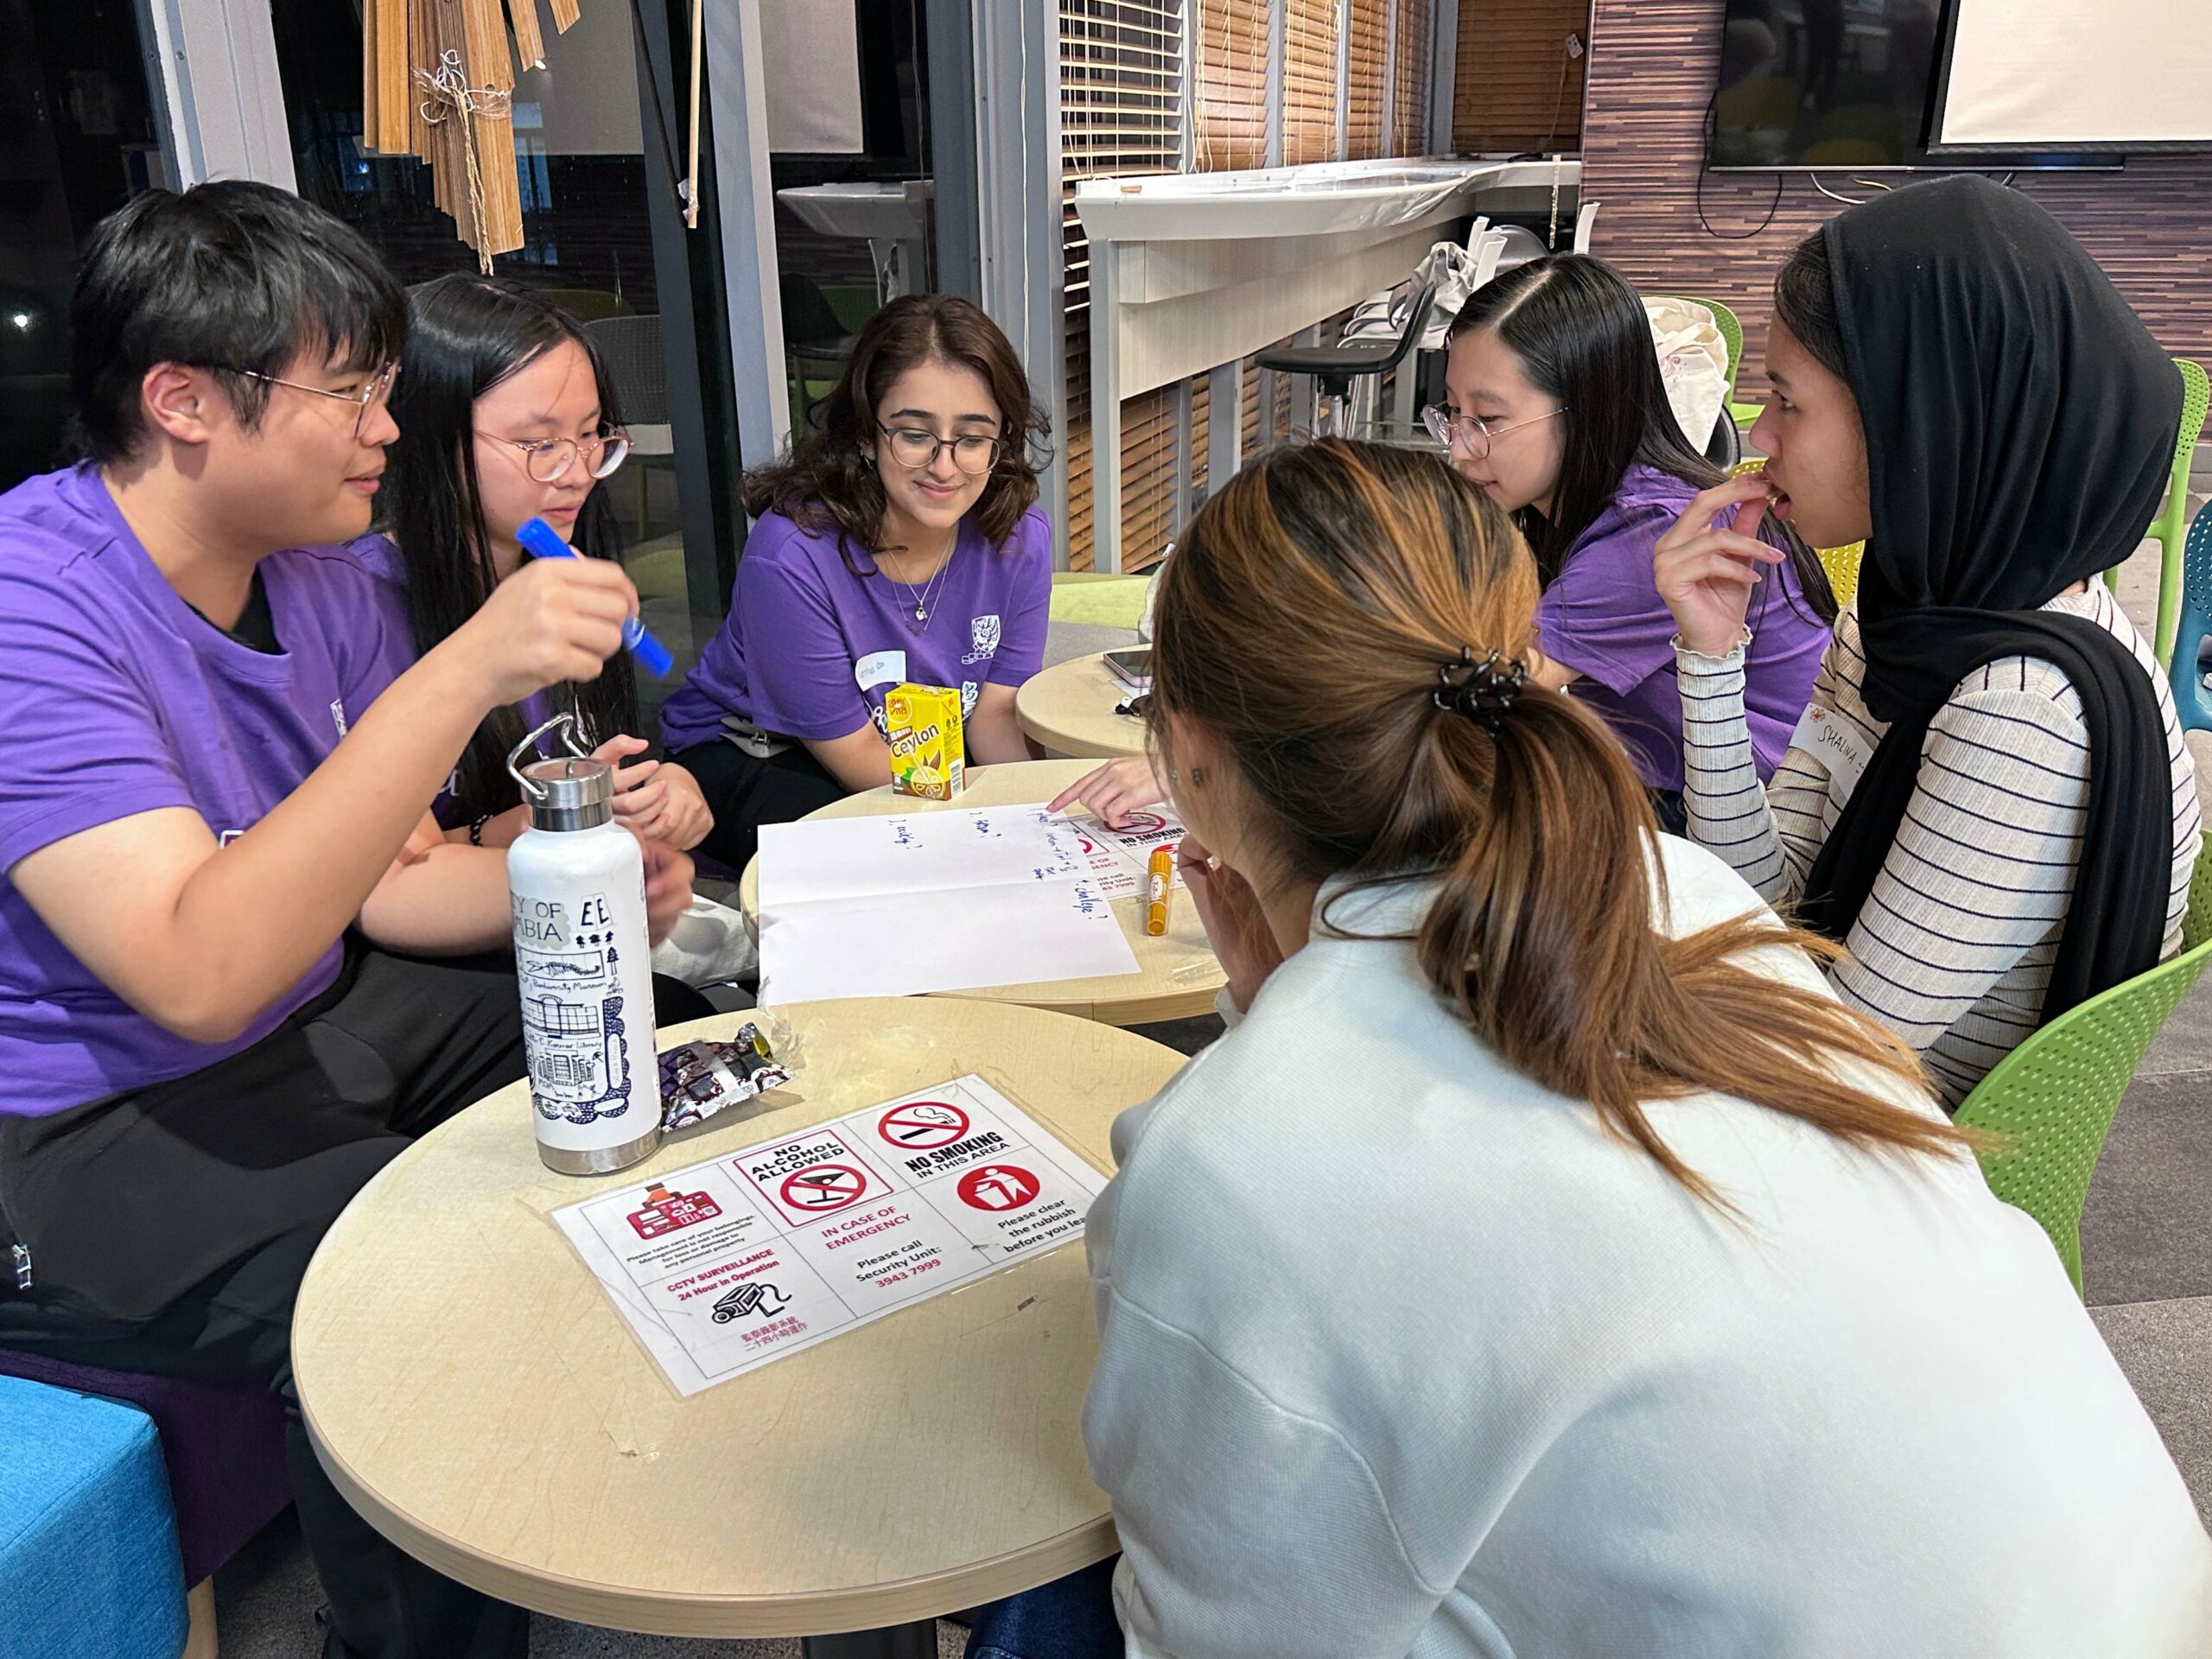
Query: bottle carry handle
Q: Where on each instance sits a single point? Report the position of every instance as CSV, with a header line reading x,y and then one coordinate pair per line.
x,y
566,724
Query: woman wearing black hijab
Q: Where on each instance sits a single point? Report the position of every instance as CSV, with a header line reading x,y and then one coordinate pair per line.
x,y
1988,801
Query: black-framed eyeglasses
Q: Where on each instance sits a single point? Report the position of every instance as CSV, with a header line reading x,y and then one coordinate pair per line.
x,y
373,394
916,447
1472,432
548,460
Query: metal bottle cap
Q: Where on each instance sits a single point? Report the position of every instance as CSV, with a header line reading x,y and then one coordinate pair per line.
x,y
570,792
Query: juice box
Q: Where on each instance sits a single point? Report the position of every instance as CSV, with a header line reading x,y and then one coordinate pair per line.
x,y
929,753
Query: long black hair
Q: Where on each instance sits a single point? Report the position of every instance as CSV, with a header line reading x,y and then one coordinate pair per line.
x,y
466,334
1585,341
1804,304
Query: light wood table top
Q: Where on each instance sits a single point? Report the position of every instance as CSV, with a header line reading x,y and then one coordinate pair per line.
x,y
474,1393
1178,973
1069,709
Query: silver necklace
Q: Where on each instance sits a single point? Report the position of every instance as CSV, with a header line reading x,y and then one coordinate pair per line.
x,y
920,599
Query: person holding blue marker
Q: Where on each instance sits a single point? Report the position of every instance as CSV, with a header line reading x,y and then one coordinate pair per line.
x,y
507,426
240,966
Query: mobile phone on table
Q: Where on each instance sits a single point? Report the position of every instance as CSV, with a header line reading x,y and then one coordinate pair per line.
x,y
1133,668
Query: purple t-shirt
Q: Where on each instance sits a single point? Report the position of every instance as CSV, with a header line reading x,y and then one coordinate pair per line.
x,y
810,648
116,698
1603,617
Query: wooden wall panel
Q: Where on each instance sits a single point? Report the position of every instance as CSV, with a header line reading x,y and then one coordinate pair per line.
x,y
1654,65
1514,87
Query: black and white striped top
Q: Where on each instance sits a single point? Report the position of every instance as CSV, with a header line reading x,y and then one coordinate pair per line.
x,y
1953,947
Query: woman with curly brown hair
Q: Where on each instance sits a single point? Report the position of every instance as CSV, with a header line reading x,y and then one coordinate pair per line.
x,y
898,541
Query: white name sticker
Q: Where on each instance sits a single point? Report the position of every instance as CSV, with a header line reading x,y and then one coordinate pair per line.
x,y
1832,741
879,668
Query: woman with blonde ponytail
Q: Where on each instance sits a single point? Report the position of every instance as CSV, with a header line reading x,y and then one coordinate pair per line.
x,y
1546,1264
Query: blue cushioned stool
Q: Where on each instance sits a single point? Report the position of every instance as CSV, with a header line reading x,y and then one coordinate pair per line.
x,y
89,1567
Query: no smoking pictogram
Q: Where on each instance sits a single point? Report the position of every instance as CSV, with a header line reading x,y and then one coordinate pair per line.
x,y
825,1186
1141,824
998,1186
923,1124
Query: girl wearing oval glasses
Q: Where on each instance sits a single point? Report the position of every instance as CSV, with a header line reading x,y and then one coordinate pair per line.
x,y
898,542
1558,412
506,413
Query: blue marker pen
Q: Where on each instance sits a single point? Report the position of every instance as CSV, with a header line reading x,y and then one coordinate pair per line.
x,y
543,542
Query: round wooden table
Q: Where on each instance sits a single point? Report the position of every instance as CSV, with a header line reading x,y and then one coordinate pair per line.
x,y
1178,973
475,1396
1069,709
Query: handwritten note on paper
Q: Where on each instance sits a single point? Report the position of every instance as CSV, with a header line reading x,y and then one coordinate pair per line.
x,y
932,901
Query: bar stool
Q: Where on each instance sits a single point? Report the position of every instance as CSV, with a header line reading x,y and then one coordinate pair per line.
x,y
1333,368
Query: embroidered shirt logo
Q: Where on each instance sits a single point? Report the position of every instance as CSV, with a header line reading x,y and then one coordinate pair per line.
x,y
985,630
338,714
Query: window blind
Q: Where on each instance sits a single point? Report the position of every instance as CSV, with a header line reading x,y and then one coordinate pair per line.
x,y
1366,45
1309,81
1515,88
1231,110
1410,73
1120,116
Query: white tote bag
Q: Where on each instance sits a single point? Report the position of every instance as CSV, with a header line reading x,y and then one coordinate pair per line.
x,y
1694,363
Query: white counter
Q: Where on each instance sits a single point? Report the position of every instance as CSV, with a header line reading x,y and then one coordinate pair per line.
x,y
1193,272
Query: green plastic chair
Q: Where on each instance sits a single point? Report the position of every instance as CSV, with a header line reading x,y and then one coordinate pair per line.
x,y
1096,597
2172,525
1732,335
1732,332
2053,1098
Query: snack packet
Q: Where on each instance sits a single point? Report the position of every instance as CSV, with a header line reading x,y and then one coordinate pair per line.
x,y
700,1078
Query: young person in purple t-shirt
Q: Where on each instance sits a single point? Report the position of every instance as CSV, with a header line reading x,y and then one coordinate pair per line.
x,y
506,413
1558,410
222,1008
897,542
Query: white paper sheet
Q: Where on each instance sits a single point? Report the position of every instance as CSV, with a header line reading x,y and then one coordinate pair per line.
x,y
728,1264
946,900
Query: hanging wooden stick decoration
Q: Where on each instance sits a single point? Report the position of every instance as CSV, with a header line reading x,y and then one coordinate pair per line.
x,y
437,82
450,98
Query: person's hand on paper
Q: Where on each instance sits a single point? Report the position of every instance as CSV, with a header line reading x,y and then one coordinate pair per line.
x,y
1116,790
1235,926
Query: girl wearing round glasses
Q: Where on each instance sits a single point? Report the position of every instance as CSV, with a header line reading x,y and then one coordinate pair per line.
x,y
506,413
898,542
1558,412
1557,409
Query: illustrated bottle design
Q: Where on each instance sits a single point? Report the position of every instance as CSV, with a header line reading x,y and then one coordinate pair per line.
x,y
576,882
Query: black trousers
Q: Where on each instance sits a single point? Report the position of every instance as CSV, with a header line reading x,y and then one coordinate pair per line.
x,y
169,1229
746,791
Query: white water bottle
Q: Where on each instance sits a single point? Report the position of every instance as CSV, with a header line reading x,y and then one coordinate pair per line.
x,y
577,880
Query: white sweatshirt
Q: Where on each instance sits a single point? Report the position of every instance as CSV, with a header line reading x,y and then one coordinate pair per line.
x,y
1401,1355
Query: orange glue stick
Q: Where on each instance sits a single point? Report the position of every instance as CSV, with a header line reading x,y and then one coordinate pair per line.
x,y
1159,875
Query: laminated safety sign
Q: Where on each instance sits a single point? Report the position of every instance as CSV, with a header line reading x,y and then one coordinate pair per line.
x,y
759,1253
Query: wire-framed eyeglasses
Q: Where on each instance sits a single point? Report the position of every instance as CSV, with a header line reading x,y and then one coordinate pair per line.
x,y
372,394
916,447
1472,432
548,460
